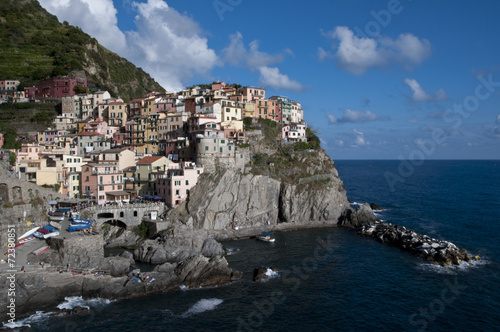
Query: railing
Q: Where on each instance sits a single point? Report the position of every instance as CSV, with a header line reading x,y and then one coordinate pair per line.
x,y
106,172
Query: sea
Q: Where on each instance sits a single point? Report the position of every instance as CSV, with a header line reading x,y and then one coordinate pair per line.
x,y
333,279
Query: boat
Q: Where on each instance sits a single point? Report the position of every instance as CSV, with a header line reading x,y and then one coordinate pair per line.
x,y
41,232
55,224
28,233
40,250
79,227
46,236
82,221
56,218
27,239
266,237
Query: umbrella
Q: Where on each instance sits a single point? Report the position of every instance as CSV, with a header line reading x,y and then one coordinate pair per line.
x,y
157,198
148,197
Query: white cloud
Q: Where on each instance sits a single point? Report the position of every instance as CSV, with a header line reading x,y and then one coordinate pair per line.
x,y
359,139
95,17
324,55
355,117
420,95
498,119
237,54
357,55
271,77
168,45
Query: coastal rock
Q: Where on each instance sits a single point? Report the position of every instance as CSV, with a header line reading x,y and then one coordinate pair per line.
x,y
177,244
212,248
237,201
375,207
437,251
119,237
362,216
45,290
259,274
117,266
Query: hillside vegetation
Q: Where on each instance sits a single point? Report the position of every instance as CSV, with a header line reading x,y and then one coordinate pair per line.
x,y
35,45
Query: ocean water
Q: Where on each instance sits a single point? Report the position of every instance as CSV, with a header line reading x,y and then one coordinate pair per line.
x,y
334,279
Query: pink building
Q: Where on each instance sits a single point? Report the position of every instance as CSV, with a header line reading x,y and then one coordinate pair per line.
x,y
9,85
102,182
174,187
294,133
58,87
2,140
253,93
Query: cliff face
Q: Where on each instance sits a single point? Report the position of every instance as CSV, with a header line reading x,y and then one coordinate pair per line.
x,y
307,190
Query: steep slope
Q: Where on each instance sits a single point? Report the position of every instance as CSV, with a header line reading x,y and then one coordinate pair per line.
x,y
34,45
277,186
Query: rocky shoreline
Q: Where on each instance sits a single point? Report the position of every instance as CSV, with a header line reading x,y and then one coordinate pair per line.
x,y
438,252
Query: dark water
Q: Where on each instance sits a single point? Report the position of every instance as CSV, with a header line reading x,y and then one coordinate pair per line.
x,y
333,279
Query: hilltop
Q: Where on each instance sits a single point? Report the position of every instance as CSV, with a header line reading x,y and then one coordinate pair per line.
x,y
34,45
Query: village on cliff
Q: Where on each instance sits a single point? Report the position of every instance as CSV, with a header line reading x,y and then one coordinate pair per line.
x,y
107,150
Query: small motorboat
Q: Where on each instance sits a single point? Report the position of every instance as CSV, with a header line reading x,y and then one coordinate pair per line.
x,y
266,237
56,217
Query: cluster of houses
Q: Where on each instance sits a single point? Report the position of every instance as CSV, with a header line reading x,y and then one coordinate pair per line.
x,y
105,149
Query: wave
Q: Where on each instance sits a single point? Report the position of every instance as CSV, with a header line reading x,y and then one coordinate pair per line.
x,y
232,251
77,301
202,306
38,317
270,273
453,269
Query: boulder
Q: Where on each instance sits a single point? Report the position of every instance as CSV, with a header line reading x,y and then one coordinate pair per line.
x,y
212,248
118,266
260,274
375,207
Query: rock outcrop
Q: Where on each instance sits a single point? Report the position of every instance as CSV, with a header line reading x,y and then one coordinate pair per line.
x,y
45,290
176,244
440,252
236,200
362,216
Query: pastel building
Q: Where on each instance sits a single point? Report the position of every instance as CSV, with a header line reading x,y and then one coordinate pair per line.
x,y
176,184
231,110
250,93
148,169
72,171
102,182
58,87
294,133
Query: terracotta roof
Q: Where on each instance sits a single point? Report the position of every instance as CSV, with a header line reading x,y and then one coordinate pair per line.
x,y
149,160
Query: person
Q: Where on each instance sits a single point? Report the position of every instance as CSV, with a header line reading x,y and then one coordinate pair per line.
x,y
41,263
1,155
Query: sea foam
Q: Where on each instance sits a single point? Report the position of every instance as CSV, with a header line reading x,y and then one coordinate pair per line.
x,y
77,301
202,306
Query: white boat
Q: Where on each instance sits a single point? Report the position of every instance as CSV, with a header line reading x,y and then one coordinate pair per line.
x,y
55,224
46,236
28,233
266,237
56,218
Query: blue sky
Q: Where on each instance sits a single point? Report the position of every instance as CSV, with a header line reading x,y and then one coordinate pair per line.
x,y
377,79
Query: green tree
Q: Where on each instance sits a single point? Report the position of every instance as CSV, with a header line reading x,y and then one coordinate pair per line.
x,y
312,138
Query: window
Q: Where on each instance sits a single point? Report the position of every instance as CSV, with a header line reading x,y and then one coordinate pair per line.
x,y
187,182
177,192
206,148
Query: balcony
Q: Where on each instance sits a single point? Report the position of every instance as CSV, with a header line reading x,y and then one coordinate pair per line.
x,y
107,172
103,183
